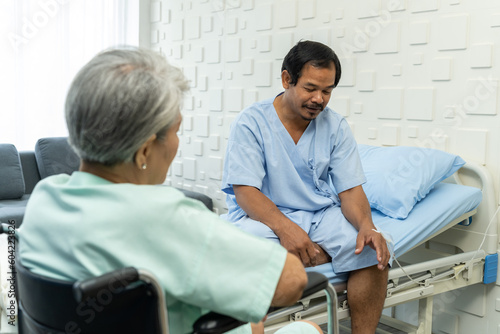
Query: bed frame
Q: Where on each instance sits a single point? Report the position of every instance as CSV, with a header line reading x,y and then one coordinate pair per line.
x,y
453,258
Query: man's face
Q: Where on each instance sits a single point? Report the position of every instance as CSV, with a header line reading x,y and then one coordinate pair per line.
x,y
312,92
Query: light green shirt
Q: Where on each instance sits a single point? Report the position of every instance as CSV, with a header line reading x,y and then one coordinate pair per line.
x,y
81,226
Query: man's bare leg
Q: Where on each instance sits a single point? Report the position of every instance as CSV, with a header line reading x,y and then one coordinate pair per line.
x,y
366,291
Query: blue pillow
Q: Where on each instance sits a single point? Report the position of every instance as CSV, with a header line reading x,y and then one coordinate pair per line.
x,y
398,177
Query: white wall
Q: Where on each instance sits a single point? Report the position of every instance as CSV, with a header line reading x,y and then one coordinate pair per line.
x,y
415,72
420,73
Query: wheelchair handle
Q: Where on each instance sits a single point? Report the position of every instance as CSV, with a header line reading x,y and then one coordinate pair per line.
x,y
114,282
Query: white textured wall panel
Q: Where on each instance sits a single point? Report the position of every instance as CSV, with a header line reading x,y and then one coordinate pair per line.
x,y
394,5
187,122
441,69
472,144
412,131
495,20
207,23
366,81
357,107
155,15
389,134
348,72
215,168
231,26
367,8
264,17
481,97
389,103
263,74
247,4
212,50
322,36
214,142
234,99
250,96
193,27
417,58
307,9
177,30
453,32
201,126
233,49
177,168
216,99
397,70
387,40
418,6
419,33
189,168
264,43
481,55
190,73
419,104
282,42
166,14
341,105
286,13
155,36
198,148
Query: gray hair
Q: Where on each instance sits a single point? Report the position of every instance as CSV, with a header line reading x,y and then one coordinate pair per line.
x,y
120,99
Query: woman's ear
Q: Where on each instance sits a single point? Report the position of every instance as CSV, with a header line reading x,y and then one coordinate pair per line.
x,y
285,79
143,153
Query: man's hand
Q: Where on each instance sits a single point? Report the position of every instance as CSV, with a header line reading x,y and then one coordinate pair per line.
x,y
356,210
297,242
374,239
292,237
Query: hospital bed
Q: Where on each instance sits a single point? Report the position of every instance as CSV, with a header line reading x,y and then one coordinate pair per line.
x,y
448,241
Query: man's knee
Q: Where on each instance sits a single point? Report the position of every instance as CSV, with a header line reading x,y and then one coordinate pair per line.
x,y
256,228
371,274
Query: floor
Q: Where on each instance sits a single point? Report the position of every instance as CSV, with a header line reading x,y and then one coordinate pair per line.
x,y
381,329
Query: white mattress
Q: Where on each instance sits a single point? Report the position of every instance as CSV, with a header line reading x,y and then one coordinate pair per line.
x,y
445,203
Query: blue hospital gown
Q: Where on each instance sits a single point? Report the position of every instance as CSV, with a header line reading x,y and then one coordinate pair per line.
x,y
302,179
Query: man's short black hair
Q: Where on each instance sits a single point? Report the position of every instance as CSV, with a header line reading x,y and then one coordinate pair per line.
x,y
318,54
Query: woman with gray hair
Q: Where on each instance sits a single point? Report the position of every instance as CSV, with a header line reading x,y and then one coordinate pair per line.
x,y
123,115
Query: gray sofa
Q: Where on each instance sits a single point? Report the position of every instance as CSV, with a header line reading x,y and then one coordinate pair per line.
x,y
21,171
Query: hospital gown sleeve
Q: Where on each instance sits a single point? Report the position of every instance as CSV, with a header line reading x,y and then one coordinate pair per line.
x,y
230,271
244,163
345,168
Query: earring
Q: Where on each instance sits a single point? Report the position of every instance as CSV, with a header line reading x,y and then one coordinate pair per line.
x,y
144,166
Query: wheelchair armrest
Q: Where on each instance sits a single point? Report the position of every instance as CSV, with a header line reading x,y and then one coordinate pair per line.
x,y
114,281
212,323
217,323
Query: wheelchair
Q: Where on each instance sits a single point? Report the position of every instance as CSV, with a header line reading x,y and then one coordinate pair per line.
x,y
126,300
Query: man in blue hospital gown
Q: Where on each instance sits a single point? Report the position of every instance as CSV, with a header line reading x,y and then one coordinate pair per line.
x,y
292,174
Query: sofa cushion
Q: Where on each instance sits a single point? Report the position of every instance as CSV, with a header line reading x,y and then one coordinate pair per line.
x,y
30,170
13,210
11,179
55,156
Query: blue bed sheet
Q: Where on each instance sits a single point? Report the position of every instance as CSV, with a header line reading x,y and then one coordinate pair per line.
x,y
441,206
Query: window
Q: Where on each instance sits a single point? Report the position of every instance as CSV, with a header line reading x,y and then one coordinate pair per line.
x,y
44,44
